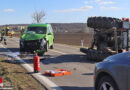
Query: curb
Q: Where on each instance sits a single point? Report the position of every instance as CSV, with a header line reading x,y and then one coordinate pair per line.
x,y
44,81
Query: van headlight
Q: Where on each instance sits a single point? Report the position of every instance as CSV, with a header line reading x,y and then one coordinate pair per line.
x,y
21,42
43,42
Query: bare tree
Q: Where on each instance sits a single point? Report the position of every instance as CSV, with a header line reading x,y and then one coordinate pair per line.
x,y
37,16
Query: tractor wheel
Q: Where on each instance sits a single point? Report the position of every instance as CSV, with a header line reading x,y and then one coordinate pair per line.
x,y
104,22
96,55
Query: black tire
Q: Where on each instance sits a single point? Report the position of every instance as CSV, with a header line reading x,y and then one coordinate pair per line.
x,y
22,49
108,81
104,22
52,46
96,55
46,47
84,50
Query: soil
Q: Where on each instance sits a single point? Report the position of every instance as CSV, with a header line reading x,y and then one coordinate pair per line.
x,y
74,38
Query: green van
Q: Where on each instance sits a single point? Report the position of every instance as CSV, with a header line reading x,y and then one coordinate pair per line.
x,y
37,37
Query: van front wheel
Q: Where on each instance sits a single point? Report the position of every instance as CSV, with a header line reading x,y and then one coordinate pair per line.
x,y
46,47
52,46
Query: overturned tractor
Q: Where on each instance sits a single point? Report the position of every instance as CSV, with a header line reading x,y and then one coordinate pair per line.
x,y
111,36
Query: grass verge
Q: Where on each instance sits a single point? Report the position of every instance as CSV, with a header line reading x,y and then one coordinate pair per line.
x,y
17,76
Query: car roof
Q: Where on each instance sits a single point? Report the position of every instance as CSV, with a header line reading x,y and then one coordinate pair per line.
x,y
39,25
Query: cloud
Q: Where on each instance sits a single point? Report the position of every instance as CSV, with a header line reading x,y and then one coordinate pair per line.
x,y
104,2
81,9
107,2
9,10
109,8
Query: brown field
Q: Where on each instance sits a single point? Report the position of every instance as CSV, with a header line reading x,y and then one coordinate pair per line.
x,y
74,38
71,38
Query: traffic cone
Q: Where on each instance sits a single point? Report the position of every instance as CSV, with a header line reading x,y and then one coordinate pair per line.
x,y
1,82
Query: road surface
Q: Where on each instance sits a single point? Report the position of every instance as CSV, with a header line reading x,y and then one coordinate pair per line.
x,y
61,57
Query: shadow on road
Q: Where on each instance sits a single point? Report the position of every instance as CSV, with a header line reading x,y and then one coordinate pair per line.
x,y
11,49
67,58
76,88
48,59
88,74
30,61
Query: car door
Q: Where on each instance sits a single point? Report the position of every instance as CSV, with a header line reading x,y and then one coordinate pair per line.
x,y
122,76
128,84
50,36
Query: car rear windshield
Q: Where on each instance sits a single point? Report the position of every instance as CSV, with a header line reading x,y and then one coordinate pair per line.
x,y
38,30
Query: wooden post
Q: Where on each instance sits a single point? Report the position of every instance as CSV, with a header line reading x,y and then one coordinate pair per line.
x,y
82,43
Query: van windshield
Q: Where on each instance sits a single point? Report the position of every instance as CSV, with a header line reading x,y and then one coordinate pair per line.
x,y
38,30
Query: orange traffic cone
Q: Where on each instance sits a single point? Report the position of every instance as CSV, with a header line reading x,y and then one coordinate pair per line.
x,y
1,82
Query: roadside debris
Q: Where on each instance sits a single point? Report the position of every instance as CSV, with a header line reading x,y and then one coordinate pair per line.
x,y
74,68
58,72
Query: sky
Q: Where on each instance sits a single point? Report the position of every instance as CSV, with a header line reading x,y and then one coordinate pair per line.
x,y
61,11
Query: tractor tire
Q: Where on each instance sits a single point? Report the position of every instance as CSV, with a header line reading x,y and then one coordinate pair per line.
x,y
104,22
96,55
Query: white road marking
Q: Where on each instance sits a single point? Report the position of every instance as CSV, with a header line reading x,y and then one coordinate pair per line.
x,y
42,79
58,52
69,46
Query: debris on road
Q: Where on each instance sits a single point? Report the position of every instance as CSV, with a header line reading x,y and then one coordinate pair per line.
x,y
58,72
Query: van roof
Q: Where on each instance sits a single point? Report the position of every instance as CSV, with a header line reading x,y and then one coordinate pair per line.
x,y
38,25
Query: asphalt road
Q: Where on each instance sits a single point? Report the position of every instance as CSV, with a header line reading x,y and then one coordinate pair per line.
x,y
61,57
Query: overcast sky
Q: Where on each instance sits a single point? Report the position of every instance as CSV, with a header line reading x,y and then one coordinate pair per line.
x,y
61,11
